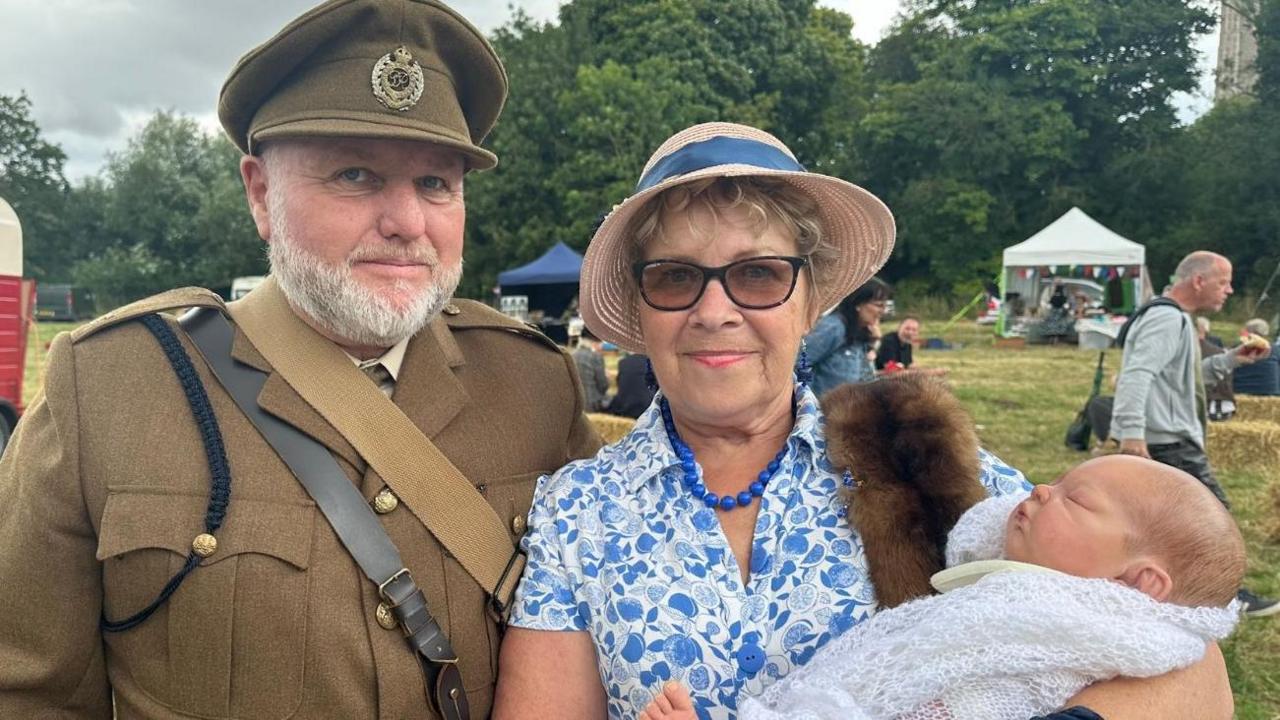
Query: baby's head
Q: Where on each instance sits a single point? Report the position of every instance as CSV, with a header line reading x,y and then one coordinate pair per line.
x,y
1148,525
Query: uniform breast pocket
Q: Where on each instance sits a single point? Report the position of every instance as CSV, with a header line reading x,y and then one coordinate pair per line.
x,y
231,641
511,497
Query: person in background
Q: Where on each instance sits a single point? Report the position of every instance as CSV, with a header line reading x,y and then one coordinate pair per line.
x,y
841,347
591,373
896,349
1204,330
1221,400
1059,322
1262,377
1160,407
635,388
1081,304
897,346
1058,299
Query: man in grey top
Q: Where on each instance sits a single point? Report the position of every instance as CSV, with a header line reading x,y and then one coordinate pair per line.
x,y
591,372
1160,407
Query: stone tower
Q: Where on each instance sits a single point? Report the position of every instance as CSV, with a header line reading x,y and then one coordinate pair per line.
x,y
1237,50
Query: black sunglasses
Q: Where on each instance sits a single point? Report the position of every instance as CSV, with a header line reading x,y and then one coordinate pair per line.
x,y
754,283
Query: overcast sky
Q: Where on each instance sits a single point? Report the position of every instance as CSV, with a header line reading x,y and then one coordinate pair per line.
x,y
97,69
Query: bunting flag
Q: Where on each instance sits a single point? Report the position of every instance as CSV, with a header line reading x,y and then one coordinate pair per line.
x,y
1120,271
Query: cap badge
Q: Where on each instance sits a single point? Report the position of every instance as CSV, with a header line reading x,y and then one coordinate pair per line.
x,y
397,80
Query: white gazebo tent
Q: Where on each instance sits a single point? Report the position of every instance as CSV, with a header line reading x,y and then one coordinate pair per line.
x,y
1074,245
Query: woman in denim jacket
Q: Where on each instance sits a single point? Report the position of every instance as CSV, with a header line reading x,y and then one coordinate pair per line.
x,y
840,346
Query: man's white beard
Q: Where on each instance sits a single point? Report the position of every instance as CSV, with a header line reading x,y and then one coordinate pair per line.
x,y
339,304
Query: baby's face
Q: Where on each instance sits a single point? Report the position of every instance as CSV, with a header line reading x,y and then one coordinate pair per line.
x,y
1077,525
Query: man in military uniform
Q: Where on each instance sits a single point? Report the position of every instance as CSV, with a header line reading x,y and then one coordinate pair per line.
x,y
359,122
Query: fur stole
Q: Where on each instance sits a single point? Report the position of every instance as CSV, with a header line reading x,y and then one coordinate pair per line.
x,y
913,453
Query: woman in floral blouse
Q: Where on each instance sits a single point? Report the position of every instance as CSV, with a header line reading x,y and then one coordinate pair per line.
x,y
708,547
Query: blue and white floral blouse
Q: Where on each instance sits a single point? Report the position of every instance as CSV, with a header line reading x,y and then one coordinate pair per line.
x,y
833,360
619,548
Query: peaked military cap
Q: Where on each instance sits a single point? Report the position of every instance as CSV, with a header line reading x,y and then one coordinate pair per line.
x,y
395,69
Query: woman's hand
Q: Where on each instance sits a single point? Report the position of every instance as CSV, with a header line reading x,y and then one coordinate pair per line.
x,y
1201,691
548,674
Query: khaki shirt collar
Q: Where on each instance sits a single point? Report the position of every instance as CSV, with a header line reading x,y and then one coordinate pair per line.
x,y
392,359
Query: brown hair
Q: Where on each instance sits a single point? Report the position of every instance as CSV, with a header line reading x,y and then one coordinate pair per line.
x,y
1193,535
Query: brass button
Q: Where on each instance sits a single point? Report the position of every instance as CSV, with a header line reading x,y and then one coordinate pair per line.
x,y
204,545
452,309
385,501
519,525
386,618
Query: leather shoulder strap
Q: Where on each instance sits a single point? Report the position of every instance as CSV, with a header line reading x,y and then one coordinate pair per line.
x,y
345,509
1155,302
437,493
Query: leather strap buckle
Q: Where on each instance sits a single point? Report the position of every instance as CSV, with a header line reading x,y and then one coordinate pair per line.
x,y
496,605
397,588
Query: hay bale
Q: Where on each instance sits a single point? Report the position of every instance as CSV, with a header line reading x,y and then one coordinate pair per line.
x,y
1243,444
611,427
1258,409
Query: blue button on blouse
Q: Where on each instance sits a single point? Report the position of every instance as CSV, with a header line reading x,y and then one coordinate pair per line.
x,y
618,548
750,658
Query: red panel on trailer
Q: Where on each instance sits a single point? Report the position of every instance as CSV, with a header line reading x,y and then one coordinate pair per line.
x,y
17,299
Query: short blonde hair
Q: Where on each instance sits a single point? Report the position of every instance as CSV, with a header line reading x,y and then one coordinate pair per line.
x,y
1193,535
769,202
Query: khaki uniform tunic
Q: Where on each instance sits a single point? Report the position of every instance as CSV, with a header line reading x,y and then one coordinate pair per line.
x,y
105,485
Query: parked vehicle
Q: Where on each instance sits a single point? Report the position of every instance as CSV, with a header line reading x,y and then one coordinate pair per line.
x,y
242,285
61,302
17,300
1072,287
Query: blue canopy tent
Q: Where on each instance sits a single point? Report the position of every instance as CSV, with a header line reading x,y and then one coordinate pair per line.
x,y
550,283
560,264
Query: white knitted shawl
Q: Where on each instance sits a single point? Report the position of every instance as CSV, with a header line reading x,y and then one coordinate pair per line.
x,y
1012,645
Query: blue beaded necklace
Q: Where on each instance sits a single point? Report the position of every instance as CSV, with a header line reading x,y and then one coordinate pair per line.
x,y
693,473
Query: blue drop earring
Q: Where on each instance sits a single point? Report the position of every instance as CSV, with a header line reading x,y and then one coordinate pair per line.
x,y
804,371
650,380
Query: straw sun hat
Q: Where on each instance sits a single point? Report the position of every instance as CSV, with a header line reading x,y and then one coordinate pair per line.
x,y
854,221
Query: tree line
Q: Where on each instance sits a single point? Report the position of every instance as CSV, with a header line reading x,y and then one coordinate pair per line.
x,y
977,121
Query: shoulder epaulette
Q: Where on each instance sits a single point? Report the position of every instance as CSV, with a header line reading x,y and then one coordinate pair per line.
x,y
470,314
170,300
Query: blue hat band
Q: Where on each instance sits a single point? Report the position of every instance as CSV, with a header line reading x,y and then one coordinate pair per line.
x,y
717,151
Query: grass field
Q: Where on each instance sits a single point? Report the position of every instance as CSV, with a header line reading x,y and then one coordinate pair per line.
x,y
1022,401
